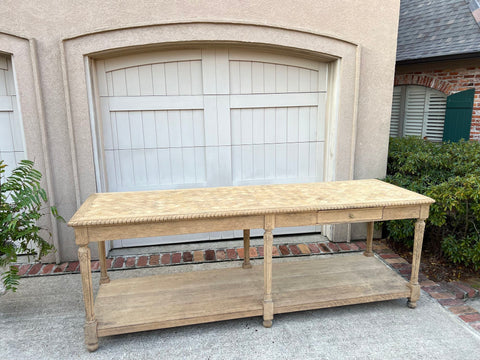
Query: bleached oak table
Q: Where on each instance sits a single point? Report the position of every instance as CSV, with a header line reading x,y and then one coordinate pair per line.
x,y
154,302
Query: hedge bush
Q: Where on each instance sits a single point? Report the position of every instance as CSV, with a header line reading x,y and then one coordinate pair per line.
x,y
450,174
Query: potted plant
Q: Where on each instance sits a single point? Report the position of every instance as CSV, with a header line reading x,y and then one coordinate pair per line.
x,y
22,202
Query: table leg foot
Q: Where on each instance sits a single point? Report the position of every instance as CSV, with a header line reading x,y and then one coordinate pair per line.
x,y
247,266
104,280
267,323
91,338
368,254
267,313
414,296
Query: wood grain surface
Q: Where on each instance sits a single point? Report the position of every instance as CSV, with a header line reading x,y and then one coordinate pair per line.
x,y
137,304
167,205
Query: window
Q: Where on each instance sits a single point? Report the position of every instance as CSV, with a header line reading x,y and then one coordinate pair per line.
x,y
418,111
11,132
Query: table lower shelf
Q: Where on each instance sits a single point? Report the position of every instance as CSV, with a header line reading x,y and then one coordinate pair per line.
x,y
162,301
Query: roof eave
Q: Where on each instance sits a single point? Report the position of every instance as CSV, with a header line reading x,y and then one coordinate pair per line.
x,y
439,58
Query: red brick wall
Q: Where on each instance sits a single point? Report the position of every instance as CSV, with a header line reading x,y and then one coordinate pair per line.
x,y
449,80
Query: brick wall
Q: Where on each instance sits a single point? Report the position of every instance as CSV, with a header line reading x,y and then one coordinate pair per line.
x,y
449,80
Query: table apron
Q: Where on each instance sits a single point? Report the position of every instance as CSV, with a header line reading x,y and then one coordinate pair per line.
x,y
193,226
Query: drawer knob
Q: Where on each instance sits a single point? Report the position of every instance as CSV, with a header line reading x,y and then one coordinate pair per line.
x,y
351,216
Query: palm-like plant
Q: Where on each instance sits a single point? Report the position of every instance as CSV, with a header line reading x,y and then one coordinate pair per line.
x,y
22,202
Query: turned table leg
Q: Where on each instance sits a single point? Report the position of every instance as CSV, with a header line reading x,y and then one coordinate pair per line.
x,y
246,249
104,279
91,338
369,249
417,251
267,271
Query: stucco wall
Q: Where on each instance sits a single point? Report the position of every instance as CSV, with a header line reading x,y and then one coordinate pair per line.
x,y
371,26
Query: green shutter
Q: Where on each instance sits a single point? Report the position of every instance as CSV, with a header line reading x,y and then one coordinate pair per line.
x,y
458,116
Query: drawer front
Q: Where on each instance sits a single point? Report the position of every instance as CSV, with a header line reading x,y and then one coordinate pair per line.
x,y
302,219
349,216
402,212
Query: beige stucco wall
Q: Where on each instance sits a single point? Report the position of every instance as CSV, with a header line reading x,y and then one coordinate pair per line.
x,y
362,31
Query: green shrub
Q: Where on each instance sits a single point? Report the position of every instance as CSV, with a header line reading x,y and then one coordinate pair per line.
x,y
450,174
21,206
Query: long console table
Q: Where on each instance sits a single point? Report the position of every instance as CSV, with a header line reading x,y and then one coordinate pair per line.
x,y
161,301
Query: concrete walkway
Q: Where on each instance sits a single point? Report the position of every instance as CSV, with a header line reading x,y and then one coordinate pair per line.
x,y
44,320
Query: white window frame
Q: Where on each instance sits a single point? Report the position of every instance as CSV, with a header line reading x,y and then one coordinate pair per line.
x,y
429,112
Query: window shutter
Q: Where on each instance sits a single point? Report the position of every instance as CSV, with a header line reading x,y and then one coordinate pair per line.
x,y
458,115
395,120
435,115
414,111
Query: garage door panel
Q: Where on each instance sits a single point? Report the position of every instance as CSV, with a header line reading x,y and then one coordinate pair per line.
x,y
3,80
292,160
172,79
145,80
293,122
161,129
280,78
256,164
215,71
135,169
174,129
247,77
273,100
277,125
132,80
163,166
280,125
316,129
137,132
158,79
132,103
145,149
6,102
211,121
186,125
121,125
306,118
223,120
220,117
152,174
258,120
218,165
272,58
317,157
149,129
17,133
304,160
6,138
139,167
155,57
119,83
270,86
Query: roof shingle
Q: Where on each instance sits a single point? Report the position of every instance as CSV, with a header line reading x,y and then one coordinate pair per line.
x,y
430,28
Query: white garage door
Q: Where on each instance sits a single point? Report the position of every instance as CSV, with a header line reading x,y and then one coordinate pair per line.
x,y
216,117
11,133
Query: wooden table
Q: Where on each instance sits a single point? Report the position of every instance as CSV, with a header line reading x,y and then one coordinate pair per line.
x,y
154,302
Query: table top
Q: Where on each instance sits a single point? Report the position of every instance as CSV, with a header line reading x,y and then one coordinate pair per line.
x,y
167,205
